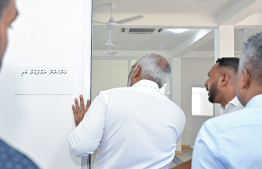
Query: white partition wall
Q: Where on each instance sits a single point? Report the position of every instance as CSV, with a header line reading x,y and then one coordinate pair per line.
x,y
108,74
46,33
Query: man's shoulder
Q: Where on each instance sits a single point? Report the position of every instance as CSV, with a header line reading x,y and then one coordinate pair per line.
x,y
8,153
107,94
116,90
239,118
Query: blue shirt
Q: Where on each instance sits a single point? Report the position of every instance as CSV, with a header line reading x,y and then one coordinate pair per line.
x,y
12,159
232,141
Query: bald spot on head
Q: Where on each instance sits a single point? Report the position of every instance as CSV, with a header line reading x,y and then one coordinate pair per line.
x,y
161,62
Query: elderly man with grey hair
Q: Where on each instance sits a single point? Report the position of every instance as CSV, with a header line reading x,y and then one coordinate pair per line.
x,y
234,140
134,127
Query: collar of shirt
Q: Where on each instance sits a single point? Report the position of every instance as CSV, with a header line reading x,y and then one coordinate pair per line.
x,y
234,101
255,101
146,83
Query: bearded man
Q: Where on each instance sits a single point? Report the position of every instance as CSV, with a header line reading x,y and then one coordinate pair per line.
x,y
221,87
233,140
221,84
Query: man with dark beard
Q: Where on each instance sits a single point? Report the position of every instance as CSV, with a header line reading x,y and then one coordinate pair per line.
x,y
221,84
233,140
221,87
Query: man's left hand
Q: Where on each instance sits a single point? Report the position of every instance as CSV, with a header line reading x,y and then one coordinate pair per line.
x,y
80,111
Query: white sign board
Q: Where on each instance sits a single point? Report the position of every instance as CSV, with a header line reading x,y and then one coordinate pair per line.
x,y
43,80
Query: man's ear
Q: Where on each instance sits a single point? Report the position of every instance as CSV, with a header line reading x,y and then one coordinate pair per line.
x,y
225,79
246,79
137,72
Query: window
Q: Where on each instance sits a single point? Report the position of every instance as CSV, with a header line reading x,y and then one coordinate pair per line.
x,y
200,104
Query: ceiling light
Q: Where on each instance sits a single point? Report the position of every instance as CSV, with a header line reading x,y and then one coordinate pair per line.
x,y
177,30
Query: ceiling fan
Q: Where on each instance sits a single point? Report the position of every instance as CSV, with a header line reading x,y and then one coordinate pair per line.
x,y
111,22
109,42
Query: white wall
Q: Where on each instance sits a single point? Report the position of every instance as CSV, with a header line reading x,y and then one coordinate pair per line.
x,y
46,32
108,74
194,74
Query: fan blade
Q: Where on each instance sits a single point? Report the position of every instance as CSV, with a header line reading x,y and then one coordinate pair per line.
x,y
99,22
129,19
118,44
109,54
110,43
113,53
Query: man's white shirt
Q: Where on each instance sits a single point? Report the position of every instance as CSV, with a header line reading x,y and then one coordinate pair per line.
x,y
232,106
134,127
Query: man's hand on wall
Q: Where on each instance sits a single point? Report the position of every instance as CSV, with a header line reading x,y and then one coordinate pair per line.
x,y
80,111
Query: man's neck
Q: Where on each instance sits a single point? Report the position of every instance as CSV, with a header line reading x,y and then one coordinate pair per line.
x,y
226,100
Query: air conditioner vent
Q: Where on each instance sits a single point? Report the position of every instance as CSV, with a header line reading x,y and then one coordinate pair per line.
x,y
141,30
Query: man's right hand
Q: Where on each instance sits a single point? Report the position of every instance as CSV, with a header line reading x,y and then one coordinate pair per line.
x,y
80,111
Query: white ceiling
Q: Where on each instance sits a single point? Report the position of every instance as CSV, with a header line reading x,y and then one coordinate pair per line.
x,y
124,41
239,38
195,15
202,7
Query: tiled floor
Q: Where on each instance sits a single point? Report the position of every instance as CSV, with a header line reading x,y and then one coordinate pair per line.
x,y
187,155
180,158
172,165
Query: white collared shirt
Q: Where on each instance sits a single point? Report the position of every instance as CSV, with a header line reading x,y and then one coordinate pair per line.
x,y
134,127
233,105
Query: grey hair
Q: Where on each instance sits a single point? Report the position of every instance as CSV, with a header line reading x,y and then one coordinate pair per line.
x,y
251,57
3,4
155,67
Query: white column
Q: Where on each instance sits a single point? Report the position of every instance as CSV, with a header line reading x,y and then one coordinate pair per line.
x,y
224,47
224,42
176,89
